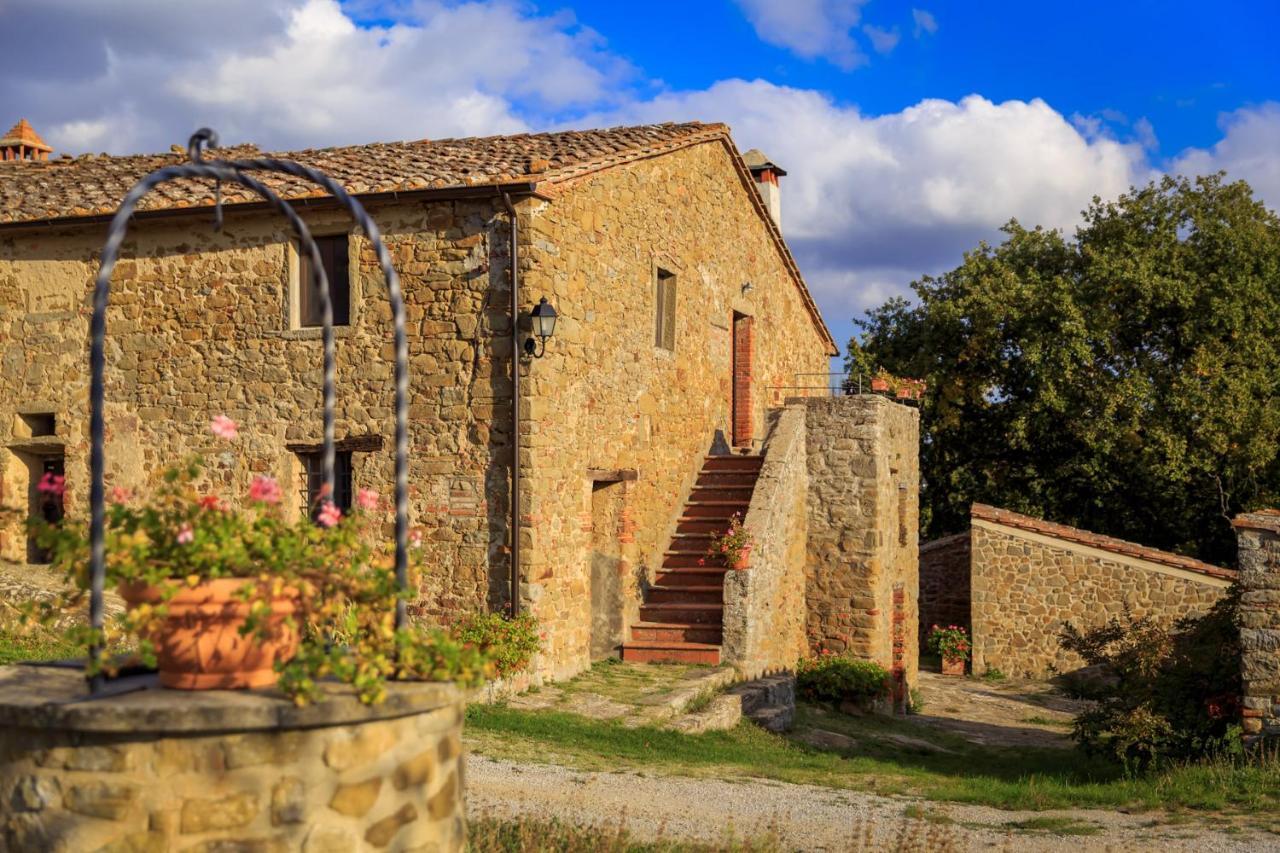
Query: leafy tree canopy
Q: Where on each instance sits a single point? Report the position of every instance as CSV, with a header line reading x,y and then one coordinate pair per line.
x,y
1124,381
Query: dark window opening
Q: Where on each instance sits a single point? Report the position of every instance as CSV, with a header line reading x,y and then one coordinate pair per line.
x,y
40,424
46,504
314,467
333,254
665,312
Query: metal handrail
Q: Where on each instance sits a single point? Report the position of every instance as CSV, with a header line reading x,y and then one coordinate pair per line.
x,y
233,171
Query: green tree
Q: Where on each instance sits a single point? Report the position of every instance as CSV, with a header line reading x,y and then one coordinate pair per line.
x,y
1124,380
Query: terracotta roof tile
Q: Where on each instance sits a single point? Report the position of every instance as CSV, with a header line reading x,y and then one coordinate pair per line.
x,y
1016,520
88,186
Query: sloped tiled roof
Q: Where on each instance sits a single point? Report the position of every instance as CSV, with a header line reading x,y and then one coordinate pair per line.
x,y
1006,518
92,186
24,134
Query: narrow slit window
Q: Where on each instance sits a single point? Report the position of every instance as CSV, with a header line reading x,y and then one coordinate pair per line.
x,y
334,256
665,313
313,465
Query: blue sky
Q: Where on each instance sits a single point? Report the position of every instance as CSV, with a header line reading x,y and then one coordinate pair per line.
x,y
911,131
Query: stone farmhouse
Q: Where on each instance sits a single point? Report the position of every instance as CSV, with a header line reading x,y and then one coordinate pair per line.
x,y
664,403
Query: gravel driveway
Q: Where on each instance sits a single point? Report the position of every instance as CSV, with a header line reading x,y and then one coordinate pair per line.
x,y
808,818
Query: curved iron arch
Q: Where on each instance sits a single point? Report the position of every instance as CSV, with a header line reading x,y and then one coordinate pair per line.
x,y
233,171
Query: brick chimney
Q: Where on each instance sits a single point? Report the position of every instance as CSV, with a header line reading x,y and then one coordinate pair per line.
x,y
23,143
766,173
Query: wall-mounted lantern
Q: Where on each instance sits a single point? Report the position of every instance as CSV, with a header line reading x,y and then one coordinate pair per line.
x,y
544,326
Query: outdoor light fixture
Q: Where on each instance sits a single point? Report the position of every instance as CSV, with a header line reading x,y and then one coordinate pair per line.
x,y
544,326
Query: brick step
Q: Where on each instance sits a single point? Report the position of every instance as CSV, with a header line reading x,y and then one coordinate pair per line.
x,y
702,525
672,652
746,479
690,576
690,560
732,463
686,594
702,614
740,494
715,509
675,632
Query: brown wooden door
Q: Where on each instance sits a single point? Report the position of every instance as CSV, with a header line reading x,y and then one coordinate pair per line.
x,y
743,354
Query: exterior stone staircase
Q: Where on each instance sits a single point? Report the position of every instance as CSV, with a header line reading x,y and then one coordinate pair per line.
x,y
681,620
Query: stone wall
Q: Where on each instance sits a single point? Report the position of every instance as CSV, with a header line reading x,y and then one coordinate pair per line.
x,y
1029,577
169,770
606,398
863,516
1258,538
764,606
944,583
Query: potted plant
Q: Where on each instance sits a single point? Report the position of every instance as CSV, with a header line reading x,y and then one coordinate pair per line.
x,y
733,545
220,596
952,643
882,381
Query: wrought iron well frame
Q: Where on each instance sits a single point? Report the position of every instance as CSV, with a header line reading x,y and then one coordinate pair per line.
x,y
234,171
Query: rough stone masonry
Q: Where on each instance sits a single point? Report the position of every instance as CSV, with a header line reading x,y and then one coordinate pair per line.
x,y
1258,541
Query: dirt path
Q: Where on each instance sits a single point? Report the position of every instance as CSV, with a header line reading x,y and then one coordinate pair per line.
x,y
997,713
808,818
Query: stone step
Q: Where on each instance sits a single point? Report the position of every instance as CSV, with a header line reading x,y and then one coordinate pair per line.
x,y
672,652
687,594
677,632
728,478
702,525
740,494
702,614
732,463
691,560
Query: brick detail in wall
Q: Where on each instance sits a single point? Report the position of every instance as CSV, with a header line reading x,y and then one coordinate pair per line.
x,y
899,669
743,359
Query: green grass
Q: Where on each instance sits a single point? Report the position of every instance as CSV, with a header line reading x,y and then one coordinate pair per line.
x,y
17,646
537,835
993,674
1054,826
1021,778
1047,721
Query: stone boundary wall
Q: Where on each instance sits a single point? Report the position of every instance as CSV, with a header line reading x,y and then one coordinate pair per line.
x,y
764,606
944,583
158,770
1258,538
1029,577
862,573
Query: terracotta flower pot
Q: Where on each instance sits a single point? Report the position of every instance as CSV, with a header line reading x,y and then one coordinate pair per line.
x,y
744,559
952,665
879,384
199,645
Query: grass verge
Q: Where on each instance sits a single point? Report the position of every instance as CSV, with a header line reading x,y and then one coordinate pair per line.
x,y
17,646
948,768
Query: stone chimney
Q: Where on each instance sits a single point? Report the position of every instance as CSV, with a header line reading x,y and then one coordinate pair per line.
x,y
766,173
23,143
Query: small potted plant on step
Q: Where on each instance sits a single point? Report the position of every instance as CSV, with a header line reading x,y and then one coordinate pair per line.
x,y
733,545
952,643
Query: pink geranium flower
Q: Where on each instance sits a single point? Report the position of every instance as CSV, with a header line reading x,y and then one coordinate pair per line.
x,y
223,427
265,490
367,499
186,535
415,538
329,514
52,484
119,495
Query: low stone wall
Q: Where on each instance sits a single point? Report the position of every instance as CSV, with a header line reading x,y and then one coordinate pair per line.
x,y
1258,538
863,512
1029,577
159,770
944,583
764,606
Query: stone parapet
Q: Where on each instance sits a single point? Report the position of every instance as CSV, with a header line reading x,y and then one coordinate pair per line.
x,y
764,606
152,769
1258,544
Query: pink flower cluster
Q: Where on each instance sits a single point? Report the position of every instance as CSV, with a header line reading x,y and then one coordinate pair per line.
x,y
223,427
367,499
185,534
329,514
52,484
265,490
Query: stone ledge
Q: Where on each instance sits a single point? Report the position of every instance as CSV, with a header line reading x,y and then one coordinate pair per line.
x,y
52,697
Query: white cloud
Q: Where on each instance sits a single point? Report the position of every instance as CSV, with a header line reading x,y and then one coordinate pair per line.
x,y
1248,150
925,22
882,41
810,28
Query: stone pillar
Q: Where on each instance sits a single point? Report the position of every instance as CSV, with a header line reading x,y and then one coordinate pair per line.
x,y
1258,538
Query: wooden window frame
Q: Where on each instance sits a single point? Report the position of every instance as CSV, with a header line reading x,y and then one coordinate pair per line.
x,y
335,253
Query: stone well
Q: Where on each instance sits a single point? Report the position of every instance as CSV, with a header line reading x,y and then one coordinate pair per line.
x,y
151,769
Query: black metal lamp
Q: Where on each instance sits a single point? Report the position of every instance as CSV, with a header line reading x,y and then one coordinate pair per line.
x,y
544,326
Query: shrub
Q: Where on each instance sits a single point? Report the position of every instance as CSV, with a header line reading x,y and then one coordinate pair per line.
x,y
837,678
1164,692
508,642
